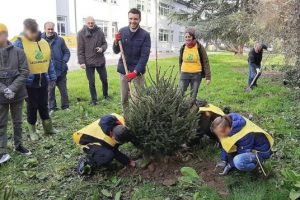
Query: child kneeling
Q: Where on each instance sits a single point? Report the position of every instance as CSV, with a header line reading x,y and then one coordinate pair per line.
x,y
244,144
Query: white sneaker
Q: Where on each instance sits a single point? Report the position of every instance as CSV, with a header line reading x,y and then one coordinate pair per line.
x,y
4,158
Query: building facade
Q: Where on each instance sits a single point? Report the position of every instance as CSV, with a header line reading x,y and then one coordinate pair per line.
x,y
111,15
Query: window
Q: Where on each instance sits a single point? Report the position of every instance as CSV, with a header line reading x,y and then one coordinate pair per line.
x,y
164,9
101,24
163,35
62,25
140,4
181,36
114,1
114,30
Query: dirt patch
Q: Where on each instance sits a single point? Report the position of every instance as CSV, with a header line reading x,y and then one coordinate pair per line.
x,y
273,75
167,172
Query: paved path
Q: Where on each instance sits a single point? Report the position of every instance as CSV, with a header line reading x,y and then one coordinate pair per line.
x,y
111,59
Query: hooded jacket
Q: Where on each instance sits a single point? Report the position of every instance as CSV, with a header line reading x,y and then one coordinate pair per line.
x,y
13,73
249,142
87,42
60,54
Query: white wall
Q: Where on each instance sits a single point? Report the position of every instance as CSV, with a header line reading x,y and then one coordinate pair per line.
x,y
13,13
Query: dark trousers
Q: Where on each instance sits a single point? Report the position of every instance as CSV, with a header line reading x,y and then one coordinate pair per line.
x,y
16,116
61,84
99,156
37,101
194,82
90,73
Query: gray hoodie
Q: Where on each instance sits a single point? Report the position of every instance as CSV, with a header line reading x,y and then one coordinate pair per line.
x,y
13,73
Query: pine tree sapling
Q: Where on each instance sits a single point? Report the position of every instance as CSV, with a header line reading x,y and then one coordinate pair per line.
x,y
161,117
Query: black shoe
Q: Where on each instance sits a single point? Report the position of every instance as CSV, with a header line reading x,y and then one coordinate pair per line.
x,y
94,103
107,98
83,167
22,150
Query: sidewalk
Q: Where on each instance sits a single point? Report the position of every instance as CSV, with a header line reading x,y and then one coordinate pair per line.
x,y
112,59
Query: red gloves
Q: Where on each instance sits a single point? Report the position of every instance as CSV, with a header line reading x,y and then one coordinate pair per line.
x,y
117,37
130,76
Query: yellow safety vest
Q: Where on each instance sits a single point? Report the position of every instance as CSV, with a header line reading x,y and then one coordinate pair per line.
x,y
95,131
38,55
213,109
228,143
191,60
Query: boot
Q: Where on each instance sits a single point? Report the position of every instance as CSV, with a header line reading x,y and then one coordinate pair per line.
x,y
48,128
32,132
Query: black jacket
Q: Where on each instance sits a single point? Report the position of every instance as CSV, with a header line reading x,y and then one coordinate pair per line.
x,y
254,59
13,73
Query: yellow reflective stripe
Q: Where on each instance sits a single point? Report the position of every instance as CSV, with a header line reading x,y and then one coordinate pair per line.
x,y
228,143
213,109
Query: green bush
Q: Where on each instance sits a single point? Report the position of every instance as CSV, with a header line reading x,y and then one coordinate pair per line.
x,y
161,118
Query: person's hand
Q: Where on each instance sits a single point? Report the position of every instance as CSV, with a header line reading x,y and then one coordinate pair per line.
x,y
258,70
9,94
226,170
208,81
99,49
132,163
117,38
222,164
83,66
130,76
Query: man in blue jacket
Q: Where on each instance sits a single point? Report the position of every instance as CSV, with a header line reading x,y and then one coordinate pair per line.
x,y
136,44
60,55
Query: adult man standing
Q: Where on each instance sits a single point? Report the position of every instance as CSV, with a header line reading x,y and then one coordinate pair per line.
x,y
60,55
136,44
91,47
13,75
254,62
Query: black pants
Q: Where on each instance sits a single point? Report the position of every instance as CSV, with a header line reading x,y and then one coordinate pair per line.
x,y
61,84
37,101
90,73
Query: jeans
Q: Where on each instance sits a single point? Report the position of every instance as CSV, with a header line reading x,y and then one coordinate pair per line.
x,y
90,74
37,101
61,84
194,83
16,116
245,161
252,74
138,82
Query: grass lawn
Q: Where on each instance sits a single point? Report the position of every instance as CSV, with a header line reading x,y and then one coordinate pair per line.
x,y
49,172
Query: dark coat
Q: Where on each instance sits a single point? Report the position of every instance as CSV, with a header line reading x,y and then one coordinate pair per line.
x,y
60,54
250,142
13,73
204,60
254,59
137,46
87,42
38,80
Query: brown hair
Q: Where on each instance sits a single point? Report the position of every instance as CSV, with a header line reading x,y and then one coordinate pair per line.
x,y
135,11
31,25
223,122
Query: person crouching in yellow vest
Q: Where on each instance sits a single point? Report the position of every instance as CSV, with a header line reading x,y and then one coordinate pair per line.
x,y
193,64
245,145
42,73
100,141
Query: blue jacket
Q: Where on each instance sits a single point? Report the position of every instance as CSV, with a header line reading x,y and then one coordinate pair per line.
x,y
248,143
38,80
60,54
136,47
